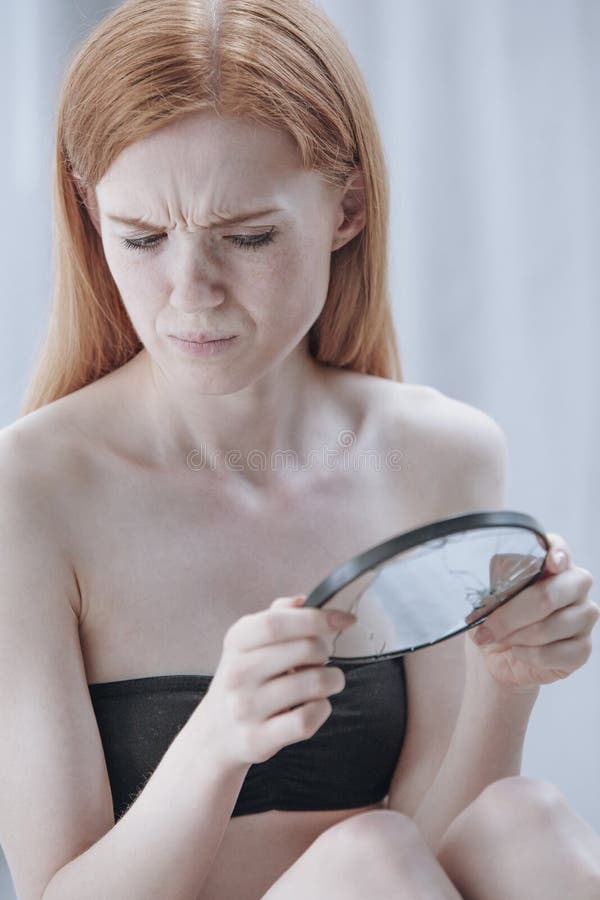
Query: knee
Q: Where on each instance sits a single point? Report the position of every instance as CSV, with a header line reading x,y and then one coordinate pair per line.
x,y
379,834
521,803
513,806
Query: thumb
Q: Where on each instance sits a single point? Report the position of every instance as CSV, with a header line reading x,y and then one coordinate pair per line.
x,y
289,601
558,557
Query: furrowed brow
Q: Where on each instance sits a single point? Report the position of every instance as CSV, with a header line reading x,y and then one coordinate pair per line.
x,y
218,222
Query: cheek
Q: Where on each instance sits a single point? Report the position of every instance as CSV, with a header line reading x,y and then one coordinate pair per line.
x,y
287,292
306,276
121,268
140,283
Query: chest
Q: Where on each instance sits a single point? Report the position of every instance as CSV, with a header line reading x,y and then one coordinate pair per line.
x,y
166,565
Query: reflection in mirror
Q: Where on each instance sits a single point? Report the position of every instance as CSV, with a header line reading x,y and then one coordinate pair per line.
x,y
434,590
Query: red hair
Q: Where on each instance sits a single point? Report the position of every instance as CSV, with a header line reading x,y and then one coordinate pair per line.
x,y
147,64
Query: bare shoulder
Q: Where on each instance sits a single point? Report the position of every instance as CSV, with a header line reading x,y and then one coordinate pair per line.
x,y
470,451
423,406
42,446
39,465
58,438
459,420
454,453
47,458
458,452
27,460
431,412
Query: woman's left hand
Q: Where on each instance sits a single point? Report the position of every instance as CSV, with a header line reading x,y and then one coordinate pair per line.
x,y
542,635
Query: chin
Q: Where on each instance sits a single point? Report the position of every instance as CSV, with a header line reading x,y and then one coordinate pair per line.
x,y
226,381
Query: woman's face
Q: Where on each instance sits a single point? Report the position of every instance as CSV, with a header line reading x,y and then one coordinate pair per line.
x,y
191,269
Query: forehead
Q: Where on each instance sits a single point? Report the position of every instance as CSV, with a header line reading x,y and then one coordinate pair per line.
x,y
211,162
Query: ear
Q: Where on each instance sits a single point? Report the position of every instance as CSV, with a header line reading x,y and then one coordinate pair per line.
x,y
88,195
351,211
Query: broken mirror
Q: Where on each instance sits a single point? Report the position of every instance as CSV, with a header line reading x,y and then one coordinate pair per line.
x,y
429,584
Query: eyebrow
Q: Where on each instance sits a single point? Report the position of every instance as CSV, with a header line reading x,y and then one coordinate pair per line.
x,y
222,220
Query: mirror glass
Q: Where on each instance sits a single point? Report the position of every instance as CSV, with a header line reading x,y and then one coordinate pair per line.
x,y
434,590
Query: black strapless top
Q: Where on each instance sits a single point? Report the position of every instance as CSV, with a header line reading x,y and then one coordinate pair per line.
x,y
348,763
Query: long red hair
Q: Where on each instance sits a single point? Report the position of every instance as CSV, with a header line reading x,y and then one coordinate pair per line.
x,y
147,64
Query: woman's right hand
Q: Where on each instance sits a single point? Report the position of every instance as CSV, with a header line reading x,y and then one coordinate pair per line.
x,y
271,685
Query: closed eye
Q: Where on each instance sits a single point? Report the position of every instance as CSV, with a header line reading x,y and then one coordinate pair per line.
x,y
247,242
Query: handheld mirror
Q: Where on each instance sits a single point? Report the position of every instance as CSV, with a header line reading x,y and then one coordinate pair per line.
x,y
426,585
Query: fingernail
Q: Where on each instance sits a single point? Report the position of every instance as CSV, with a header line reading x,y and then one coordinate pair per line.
x,y
559,557
288,601
339,618
483,635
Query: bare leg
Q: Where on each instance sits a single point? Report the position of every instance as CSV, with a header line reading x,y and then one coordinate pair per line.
x,y
378,854
520,838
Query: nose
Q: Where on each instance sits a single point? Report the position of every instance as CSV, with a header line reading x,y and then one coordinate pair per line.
x,y
197,282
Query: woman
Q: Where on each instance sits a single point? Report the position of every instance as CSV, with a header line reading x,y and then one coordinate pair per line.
x,y
221,307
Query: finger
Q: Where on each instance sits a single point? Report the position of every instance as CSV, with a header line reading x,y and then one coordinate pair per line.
x,y
559,555
271,626
575,620
536,602
297,724
557,660
281,694
267,662
289,601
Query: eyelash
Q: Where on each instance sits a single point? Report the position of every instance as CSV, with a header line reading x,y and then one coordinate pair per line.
x,y
246,242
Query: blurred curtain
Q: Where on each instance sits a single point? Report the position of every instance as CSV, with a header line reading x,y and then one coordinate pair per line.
x,y
489,115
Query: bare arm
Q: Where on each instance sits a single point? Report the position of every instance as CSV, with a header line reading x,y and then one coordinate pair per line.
x,y
487,744
462,733
475,734
57,825
165,843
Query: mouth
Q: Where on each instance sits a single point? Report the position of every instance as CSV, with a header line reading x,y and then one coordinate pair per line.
x,y
209,345
202,338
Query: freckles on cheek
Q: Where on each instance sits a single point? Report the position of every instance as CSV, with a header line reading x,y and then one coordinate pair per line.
x,y
142,295
137,284
297,288
312,270
302,265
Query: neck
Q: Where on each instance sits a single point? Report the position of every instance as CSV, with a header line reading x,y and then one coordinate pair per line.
x,y
244,435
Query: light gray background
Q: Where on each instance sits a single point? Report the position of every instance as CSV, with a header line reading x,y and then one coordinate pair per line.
x,y
489,116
